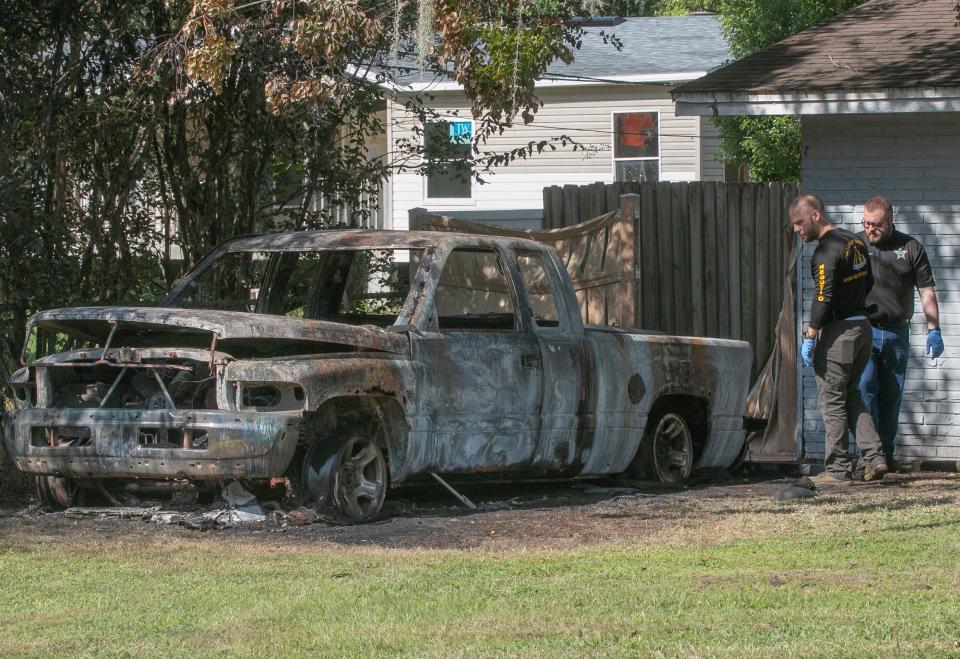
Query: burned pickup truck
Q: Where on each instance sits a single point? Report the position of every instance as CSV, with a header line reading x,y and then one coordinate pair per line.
x,y
342,363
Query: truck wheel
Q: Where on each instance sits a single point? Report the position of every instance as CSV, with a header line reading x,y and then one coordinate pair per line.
x,y
668,449
59,492
353,477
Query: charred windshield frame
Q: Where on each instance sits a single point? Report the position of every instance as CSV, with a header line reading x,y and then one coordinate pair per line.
x,y
318,284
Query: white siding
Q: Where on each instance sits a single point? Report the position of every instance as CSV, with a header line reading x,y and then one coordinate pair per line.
x,y
914,159
582,114
711,169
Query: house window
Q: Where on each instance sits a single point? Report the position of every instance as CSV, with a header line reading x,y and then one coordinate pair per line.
x,y
448,149
636,146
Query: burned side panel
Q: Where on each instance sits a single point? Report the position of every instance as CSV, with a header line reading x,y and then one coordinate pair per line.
x,y
338,376
635,370
567,373
615,424
478,402
344,374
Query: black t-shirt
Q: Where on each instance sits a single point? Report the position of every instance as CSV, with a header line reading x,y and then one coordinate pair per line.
x,y
899,265
841,277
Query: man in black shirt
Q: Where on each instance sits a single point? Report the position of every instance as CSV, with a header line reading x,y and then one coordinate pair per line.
x,y
842,279
899,266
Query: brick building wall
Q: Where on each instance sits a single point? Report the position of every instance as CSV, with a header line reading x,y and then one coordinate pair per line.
x,y
914,159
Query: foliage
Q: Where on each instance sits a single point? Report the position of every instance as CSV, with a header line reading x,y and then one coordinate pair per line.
x,y
495,51
658,7
73,220
768,146
752,25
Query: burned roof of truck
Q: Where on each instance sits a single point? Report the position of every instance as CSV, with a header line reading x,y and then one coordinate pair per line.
x,y
364,239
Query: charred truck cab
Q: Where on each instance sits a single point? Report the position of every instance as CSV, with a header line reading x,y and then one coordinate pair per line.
x,y
341,363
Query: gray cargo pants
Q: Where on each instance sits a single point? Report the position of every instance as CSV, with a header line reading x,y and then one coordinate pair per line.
x,y
841,355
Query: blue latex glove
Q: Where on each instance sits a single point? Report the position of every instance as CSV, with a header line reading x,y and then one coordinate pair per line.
x,y
934,344
806,351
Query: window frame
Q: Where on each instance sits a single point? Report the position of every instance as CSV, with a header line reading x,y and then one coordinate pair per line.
x,y
552,284
425,178
613,142
519,325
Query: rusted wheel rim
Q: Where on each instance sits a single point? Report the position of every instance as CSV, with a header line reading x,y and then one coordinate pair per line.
x,y
360,479
672,449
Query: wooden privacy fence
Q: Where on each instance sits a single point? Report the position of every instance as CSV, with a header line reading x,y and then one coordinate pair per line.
x,y
694,259
712,258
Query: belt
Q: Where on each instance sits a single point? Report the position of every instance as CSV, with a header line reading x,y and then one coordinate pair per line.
x,y
898,327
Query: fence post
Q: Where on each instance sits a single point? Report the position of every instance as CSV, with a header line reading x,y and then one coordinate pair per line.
x,y
556,207
571,205
598,201
697,279
612,201
547,219
629,302
415,218
651,282
666,258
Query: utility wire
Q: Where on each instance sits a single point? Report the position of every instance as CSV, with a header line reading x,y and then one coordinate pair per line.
x,y
598,131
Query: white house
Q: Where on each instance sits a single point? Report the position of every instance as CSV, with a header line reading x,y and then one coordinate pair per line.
x,y
615,104
878,92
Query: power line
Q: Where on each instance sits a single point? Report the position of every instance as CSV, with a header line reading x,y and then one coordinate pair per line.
x,y
607,81
609,132
622,132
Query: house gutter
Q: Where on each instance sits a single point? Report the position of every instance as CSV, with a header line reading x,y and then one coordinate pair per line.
x,y
916,99
548,81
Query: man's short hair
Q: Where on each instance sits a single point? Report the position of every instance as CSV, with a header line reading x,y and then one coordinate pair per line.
x,y
810,200
879,203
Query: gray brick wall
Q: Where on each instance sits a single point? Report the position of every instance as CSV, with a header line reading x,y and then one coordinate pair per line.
x,y
915,160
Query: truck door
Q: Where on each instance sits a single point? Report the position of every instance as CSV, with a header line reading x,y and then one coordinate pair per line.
x,y
558,332
480,377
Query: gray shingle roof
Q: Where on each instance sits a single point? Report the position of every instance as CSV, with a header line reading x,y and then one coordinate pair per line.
x,y
881,44
670,44
651,46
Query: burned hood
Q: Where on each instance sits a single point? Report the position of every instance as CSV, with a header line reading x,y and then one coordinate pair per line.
x,y
95,323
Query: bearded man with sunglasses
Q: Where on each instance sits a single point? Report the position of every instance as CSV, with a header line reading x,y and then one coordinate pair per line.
x,y
899,265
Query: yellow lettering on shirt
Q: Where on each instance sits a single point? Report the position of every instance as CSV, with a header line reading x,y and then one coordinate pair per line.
x,y
858,275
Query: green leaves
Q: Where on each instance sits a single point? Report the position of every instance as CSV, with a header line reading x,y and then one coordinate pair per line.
x,y
751,25
769,146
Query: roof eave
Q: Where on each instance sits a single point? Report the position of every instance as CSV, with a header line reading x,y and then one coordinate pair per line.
x,y
912,99
667,78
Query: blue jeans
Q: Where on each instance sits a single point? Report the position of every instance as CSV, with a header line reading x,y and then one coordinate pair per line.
x,y
881,385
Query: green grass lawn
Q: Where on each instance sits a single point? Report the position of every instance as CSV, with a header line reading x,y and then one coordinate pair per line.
x,y
827,580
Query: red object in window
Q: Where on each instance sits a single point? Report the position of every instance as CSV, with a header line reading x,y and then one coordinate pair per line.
x,y
634,128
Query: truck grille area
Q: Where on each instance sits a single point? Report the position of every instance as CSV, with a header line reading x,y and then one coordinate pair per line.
x,y
172,438
181,384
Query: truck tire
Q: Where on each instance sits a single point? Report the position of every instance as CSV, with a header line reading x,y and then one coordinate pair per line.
x,y
58,492
667,450
351,477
